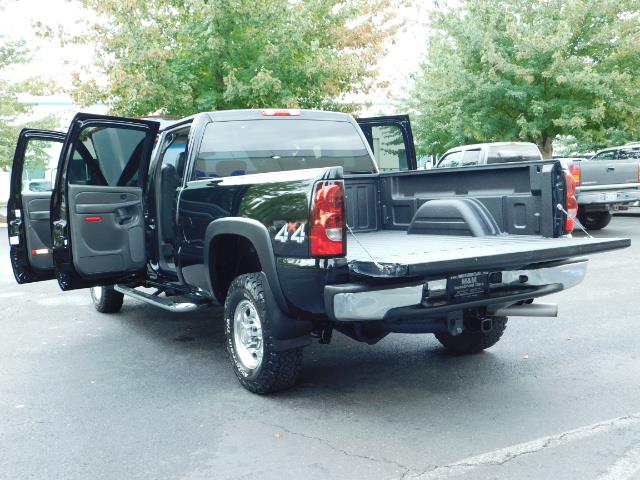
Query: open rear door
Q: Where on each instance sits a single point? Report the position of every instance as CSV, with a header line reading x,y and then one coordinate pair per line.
x,y
98,206
34,161
391,140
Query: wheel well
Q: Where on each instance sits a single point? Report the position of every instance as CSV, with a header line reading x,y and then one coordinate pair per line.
x,y
230,256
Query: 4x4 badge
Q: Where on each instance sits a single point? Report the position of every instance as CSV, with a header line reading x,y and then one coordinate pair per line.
x,y
297,236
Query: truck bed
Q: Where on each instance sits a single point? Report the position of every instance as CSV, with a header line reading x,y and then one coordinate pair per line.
x,y
394,253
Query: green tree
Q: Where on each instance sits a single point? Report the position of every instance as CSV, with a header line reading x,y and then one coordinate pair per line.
x,y
181,57
530,70
12,110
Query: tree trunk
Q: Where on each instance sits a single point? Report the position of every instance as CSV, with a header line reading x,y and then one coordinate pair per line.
x,y
546,146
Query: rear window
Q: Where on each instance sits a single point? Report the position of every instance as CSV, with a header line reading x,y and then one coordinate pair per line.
x,y
513,153
245,147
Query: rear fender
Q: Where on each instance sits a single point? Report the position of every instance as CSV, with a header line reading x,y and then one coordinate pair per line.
x,y
291,332
258,235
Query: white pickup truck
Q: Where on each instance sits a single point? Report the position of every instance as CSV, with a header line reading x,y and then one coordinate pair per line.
x,y
490,153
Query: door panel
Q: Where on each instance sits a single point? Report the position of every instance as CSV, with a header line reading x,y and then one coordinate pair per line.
x,y
611,167
107,229
37,153
98,209
38,229
391,140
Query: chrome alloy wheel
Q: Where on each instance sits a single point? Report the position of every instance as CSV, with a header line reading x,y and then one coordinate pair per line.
x,y
247,335
96,293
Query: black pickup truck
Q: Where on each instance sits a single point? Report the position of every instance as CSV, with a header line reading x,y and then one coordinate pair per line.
x,y
299,223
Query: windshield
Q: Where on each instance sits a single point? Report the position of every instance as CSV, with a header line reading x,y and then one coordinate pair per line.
x,y
515,152
244,147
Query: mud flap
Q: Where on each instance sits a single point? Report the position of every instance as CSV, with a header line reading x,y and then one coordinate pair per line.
x,y
289,332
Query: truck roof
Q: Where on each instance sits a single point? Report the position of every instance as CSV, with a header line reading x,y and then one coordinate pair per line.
x,y
255,114
266,113
629,145
487,144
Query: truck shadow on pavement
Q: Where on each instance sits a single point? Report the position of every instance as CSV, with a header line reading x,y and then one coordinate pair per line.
x,y
415,365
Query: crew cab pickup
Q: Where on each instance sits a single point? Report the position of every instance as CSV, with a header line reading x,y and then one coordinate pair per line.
x,y
608,182
284,217
489,153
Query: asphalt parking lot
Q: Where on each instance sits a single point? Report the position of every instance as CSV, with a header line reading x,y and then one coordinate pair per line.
x,y
148,394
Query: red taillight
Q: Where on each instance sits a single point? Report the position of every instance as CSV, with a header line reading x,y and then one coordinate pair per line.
x,y
574,169
572,203
280,112
327,231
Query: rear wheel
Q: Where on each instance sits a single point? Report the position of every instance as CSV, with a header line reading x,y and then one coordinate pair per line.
x,y
250,343
106,299
476,340
594,220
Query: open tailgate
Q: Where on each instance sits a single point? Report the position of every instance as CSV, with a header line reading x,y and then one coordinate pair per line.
x,y
394,253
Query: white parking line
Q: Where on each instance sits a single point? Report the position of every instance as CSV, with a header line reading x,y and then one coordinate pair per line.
x,y
625,468
499,457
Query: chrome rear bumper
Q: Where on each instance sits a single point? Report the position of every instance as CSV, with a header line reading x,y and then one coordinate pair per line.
x,y
586,197
357,302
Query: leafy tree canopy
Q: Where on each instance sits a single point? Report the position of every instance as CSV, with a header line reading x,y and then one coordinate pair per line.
x,y
12,111
178,57
530,70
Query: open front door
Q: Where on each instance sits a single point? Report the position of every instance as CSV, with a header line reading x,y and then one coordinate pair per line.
x,y
34,161
391,140
98,206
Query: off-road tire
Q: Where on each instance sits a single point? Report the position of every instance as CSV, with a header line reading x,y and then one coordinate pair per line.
x,y
594,220
106,299
278,370
474,341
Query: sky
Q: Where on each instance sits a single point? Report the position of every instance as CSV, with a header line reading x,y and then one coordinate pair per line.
x,y
51,61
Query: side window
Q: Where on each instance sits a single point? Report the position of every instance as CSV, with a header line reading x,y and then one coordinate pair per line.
x,y
107,156
453,159
388,148
608,155
629,154
40,161
471,157
174,151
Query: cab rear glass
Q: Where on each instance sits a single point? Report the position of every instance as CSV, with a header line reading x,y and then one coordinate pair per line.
x,y
243,147
513,153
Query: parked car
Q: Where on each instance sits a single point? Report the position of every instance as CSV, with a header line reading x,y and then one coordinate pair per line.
x,y
489,154
38,185
283,217
607,182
